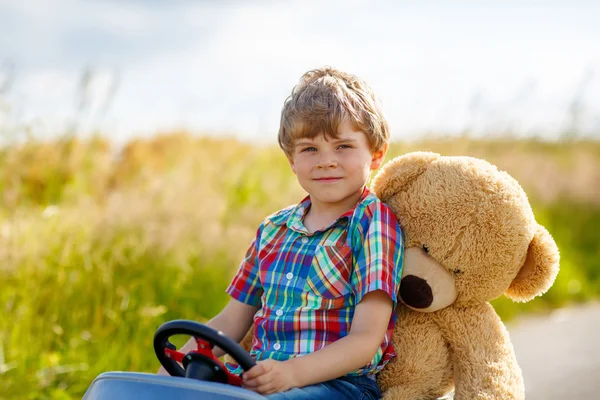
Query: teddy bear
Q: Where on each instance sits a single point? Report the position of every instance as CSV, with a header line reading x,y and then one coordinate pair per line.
x,y
470,236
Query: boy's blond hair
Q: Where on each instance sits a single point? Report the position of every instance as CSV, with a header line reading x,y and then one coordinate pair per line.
x,y
322,100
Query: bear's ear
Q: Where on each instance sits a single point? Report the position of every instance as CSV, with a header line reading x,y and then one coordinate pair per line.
x,y
398,173
540,268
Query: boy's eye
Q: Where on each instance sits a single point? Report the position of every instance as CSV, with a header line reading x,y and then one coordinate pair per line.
x,y
308,149
344,146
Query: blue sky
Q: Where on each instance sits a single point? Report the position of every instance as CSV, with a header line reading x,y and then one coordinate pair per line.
x,y
225,67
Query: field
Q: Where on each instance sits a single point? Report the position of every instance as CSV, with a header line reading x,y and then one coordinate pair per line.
x,y
99,246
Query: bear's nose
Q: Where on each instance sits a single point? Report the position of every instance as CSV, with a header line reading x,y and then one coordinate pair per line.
x,y
416,292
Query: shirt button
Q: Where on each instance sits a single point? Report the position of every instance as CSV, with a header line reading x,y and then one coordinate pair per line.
x,y
289,276
279,313
276,346
304,240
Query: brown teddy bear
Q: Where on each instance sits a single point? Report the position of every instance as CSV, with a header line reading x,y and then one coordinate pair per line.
x,y
470,236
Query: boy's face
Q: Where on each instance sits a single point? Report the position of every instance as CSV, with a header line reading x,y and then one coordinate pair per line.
x,y
335,170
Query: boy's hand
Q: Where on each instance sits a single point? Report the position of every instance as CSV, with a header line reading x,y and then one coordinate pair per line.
x,y
269,376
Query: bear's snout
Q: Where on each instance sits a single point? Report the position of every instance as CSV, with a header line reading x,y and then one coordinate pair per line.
x,y
416,292
426,286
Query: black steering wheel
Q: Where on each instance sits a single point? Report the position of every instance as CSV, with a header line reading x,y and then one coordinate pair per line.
x,y
199,364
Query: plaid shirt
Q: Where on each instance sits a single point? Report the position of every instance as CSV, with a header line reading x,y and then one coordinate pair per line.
x,y
308,284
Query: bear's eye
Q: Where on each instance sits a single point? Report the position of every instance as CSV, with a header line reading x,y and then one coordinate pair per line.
x,y
426,249
457,271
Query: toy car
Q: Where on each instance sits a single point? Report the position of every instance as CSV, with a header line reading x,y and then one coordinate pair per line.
x,y
203,376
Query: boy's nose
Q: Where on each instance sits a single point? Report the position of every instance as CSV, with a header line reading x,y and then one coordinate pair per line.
x,y
327,163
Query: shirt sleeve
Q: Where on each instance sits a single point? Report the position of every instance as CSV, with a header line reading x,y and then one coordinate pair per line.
x,y
378,247
245,285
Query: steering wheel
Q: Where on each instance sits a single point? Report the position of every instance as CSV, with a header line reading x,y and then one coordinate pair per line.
x,y
199,364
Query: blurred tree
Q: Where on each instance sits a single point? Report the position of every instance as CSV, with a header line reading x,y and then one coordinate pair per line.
x,y
95,93
577,108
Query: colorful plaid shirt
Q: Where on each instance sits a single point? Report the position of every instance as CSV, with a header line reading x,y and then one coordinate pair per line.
x,y
308,284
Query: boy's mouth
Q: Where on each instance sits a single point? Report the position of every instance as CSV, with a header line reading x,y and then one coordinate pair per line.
x,y
327,179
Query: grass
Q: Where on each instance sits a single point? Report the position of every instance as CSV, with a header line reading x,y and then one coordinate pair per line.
x,y
98,247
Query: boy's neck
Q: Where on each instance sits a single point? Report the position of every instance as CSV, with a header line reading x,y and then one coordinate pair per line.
x,y
321,215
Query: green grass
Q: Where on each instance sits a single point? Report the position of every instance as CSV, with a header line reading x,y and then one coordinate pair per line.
x,y
96,251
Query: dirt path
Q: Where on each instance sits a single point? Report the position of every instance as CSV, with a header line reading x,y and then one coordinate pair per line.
x,y
560,353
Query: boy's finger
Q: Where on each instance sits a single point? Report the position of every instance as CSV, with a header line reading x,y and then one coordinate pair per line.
x,y
266,389
255,371
258,381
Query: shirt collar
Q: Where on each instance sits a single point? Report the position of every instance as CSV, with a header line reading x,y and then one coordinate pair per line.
x,y
295,219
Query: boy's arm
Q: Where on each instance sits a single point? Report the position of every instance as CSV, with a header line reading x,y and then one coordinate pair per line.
x,y
369,324
234,320
237,316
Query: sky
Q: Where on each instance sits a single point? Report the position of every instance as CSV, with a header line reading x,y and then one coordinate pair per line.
x,y
138,67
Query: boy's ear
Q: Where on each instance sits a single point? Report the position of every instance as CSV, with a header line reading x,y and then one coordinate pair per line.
x,y
378,156
292,165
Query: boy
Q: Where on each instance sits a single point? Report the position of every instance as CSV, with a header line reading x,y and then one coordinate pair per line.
x,y
319,281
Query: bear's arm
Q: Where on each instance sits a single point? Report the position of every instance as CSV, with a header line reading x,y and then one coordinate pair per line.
x,y
484,361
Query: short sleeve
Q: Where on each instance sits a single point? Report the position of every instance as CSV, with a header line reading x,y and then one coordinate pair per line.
x,y
245,285
378,249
